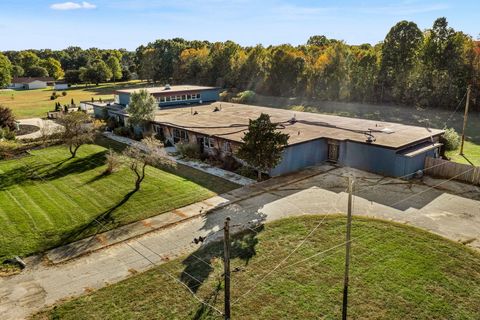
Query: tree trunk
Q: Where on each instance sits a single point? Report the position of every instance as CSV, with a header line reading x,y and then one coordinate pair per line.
x,y
140,177
73,150
259,175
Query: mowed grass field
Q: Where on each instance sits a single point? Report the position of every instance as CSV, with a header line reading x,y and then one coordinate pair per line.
x,y
397,272
471,154
48,199
36,103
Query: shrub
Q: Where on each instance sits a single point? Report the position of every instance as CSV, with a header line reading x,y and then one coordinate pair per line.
x,y
112,122
230,164
64,93
247,172
52,97
122,131
188,150
244,97
451,139
7,134
297,108
7,119
112,161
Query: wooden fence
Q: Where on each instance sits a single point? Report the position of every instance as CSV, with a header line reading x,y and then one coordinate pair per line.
x,y
437,167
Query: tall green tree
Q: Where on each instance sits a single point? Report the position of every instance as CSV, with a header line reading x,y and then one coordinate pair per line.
x,y
28,60
141,108
6,69
114,64
98,72
399,57
53,67
37,71
262,144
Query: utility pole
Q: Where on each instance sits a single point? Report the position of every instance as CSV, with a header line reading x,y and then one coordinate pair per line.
x,y
347,251
465,116
226,266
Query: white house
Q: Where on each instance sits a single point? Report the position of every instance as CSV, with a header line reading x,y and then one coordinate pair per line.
x,y
60,86
31,83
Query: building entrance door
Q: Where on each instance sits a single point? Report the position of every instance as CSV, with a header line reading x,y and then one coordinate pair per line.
x,y
333,148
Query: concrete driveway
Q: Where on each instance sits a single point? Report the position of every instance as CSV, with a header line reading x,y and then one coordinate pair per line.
x,y
49,127
319,190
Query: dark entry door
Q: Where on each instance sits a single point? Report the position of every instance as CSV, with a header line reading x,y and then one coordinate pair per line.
x,y
333,148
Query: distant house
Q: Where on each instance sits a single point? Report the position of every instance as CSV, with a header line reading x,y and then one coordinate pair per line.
x,y
189,114
29,83
60,86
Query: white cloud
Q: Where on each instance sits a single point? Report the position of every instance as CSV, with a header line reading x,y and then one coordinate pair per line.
x,y
72,5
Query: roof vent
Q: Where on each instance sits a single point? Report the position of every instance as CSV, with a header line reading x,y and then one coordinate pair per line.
x,y
167,87
387,130
293,119
370,137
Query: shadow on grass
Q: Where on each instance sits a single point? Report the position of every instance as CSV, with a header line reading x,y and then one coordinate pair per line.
x,y
200,264
67,247
50,171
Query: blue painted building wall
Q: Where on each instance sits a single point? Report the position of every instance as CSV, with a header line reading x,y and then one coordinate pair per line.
x,y
361,156
123,98
205,96
299,156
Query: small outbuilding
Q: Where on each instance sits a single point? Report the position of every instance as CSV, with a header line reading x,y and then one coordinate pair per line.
x,y
30,83
60,86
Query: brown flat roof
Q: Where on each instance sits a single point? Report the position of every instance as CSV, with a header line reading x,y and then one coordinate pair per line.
x,y
232,120
31,79
179,88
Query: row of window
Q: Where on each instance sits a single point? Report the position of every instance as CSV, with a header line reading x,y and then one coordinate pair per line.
x,y
184,97
181,136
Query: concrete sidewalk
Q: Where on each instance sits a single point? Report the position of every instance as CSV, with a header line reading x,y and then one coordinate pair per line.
x,y
168,219
227,175
49,125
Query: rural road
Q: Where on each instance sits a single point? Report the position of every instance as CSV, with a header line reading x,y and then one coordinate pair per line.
x,y
451,215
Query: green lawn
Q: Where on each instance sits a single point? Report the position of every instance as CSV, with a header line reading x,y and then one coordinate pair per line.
x,y
36,103
397,272
471,153
47,199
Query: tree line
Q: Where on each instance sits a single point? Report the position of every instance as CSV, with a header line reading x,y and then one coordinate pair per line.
x,y
430,68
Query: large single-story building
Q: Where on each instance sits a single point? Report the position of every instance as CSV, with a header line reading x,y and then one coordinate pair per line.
x,y
31,83
172,95
385,148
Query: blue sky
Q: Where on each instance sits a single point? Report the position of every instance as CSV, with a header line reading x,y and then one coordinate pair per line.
x,y
127,24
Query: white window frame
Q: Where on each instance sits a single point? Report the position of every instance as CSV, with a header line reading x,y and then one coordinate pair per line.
x,y
208,142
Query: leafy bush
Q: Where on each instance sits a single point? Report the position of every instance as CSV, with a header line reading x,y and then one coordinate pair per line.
x,y
113,162
7,134
112,122
64,93
122,131
451,139
244,97
52,97
7,119
247,172
188,150
230,164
